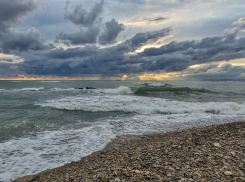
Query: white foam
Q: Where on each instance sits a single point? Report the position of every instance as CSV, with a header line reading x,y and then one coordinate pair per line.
x,y
62,89
30,89
156,84
142,105
122,90
140,124
50,149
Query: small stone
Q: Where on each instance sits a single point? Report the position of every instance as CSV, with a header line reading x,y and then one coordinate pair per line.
x,y
147,172
233,153
226,157
117,180
228,173
216,144
199,160
137,171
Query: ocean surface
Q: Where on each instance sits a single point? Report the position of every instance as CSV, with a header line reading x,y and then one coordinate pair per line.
x,y
45,124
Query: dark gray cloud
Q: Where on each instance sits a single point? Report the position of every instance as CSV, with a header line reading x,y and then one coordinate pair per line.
x,y
202,49
22,41
6,60
188,46
12,11
112,61
175,56
81,37
8,70
112,29
141,39
147,21
80,16
205,68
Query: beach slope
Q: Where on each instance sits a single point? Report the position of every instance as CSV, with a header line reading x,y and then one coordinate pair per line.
x,y
212,153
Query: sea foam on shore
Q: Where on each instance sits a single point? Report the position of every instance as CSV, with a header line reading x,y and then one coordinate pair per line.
x,y
212,153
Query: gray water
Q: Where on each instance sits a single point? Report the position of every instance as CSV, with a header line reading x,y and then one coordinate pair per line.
x,y
45,124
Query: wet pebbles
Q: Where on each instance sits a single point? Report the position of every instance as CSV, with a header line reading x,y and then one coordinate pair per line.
x,y
213,153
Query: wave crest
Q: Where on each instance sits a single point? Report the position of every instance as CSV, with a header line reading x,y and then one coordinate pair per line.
x,y
142,105
122,90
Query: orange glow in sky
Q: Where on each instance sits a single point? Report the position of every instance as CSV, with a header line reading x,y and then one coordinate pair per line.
x,y
145,76
160,76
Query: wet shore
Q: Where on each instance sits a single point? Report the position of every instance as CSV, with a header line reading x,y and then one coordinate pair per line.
x,y
211,153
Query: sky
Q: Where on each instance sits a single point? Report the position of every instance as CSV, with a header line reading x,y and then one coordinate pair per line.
x,y
122,39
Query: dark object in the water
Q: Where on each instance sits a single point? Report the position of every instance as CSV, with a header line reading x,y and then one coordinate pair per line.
x,y
80,88
90,88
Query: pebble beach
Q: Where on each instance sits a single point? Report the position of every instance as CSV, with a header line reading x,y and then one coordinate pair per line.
x,y
211,153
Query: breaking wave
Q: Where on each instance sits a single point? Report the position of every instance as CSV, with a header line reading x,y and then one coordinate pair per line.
x,y
122,90
141,105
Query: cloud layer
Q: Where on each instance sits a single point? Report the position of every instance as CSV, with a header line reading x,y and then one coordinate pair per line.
x,y
147,21
12,11
92,49
80,16
112,29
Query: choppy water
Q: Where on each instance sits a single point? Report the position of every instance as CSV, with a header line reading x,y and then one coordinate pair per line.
x,y
45,124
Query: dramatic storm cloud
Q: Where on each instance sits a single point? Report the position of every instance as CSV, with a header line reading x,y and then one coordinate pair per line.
x,y
141,39
112,38
81,37
80,16
12,11
112,29
22,41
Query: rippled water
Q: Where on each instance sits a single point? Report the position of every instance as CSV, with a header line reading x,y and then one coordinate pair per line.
x,y
45,124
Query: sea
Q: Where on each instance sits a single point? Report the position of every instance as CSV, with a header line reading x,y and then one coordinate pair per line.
x,y
46,124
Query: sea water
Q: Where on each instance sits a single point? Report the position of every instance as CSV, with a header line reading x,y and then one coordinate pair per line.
x,y
45,124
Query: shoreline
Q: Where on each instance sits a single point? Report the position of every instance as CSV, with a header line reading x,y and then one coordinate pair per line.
x,y
214,152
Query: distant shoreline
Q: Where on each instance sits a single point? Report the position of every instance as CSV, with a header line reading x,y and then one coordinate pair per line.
x,y
211,152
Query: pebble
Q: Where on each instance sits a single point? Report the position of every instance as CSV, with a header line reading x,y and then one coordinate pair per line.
x,y
228,173
137,171
216,144
117,180
188,155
